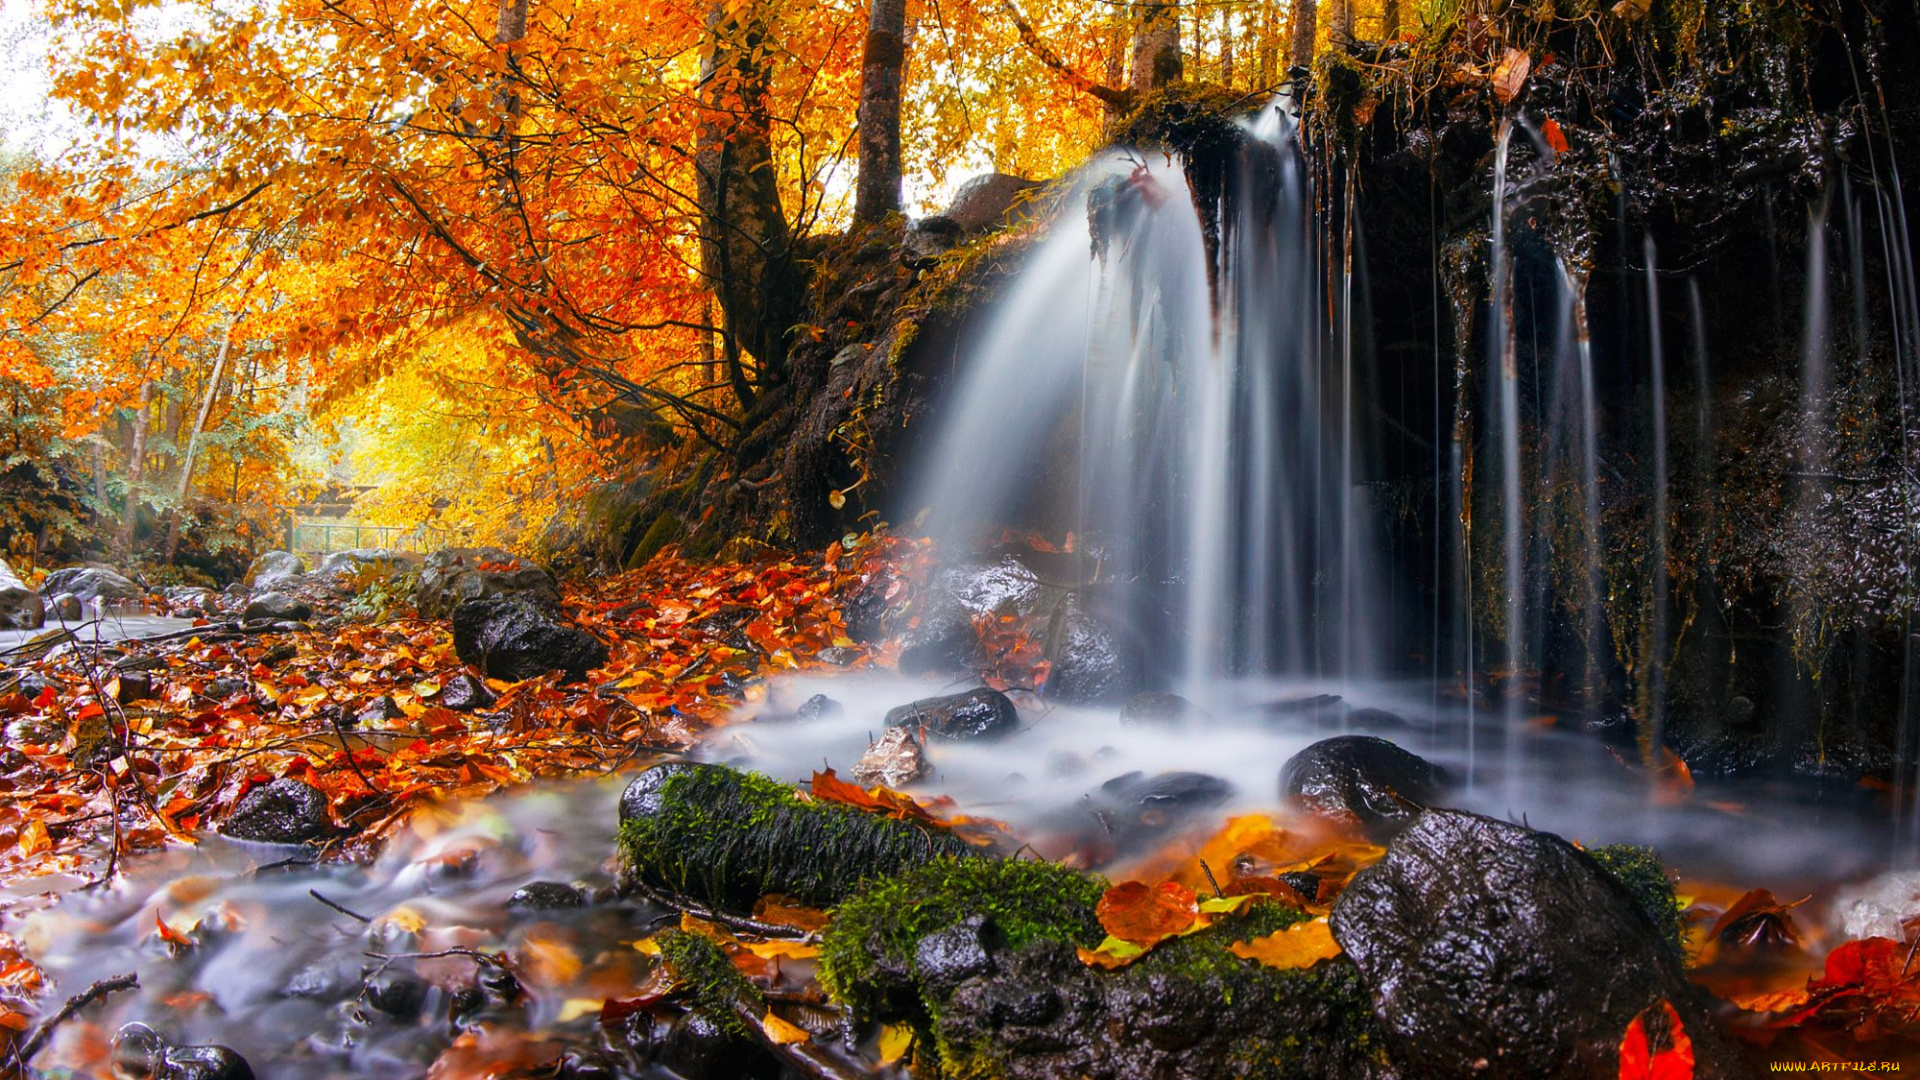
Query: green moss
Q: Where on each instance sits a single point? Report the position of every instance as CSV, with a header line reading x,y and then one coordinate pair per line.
x,y
729,838
1205,955
867,954
705,974
1647,878
1188,118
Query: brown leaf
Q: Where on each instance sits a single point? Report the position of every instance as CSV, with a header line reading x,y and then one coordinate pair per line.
x,y
1510,77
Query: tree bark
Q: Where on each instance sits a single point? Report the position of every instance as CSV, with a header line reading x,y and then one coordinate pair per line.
x,y
193,442
1306,20
1156,46
746,246
136,465
882,71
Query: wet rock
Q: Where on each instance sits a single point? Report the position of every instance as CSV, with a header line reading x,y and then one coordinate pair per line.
x,y
515,638
1304,882
644,795
1094,664
838,655
67,607
819,707
188,600
226,686
274,569
397,992
277,607
1360,777
1160,708
285,811
893,760
91,583
464,693
698,1047
20,607
368,562
946,958
1176,791
31,684
279,654
454,575
140,1053
379,711
132,686
928,239
1496,952
979,713
324,980
546,896
988,201
944,640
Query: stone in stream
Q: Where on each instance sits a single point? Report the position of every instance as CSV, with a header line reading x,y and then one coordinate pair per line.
x,y
139,1051
273,569
454,575
1362,778
976,714
383,562
20,607
893,760
1160,708
276,607
66,607
818,707
546,896
396,991
378,711
1495,952
91,583
515,638
187,600
1173,792
283,811
464,693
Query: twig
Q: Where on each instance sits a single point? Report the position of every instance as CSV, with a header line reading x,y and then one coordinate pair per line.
x,y
74,1004
348,912
733,922
1211,880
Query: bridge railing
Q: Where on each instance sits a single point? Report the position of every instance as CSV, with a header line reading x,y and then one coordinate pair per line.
x,y
322,537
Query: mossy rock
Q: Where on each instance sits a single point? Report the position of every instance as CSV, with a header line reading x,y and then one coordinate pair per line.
x,y
1647,878
708,978
1194,120
728,838
1025,1006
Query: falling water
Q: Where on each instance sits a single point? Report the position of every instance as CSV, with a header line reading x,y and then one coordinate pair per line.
x,y
1501,358
1198,424
1654,657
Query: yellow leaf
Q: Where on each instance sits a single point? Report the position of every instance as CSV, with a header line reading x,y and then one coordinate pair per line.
x,y
1111,953
647,947
34,838
781,1033
791,950
403,918
1298,946
575,1008
895,1041
548,963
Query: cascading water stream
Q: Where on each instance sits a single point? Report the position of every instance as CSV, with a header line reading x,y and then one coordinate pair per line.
x,y
1502,361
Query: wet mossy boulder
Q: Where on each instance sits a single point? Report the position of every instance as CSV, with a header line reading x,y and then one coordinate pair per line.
x,y
723,837
1494,952
980,959
1651,883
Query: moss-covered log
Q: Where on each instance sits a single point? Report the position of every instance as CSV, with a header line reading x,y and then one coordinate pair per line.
x,y
728,838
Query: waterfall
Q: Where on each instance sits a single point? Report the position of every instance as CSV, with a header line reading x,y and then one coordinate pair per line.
x,y
1190,423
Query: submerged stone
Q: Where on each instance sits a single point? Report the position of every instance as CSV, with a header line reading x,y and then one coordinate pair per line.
x,y
1362,778
979,713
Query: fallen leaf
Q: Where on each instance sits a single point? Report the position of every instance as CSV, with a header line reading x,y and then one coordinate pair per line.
x,y
1638,1061
1556,138
1301,945
781,1033
895,1041
1145,915
1510,76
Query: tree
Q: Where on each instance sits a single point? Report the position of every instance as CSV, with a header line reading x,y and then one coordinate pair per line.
x,y
882,70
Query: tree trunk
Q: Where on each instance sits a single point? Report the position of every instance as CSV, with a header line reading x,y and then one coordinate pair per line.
x,y
746,247
193,443
1340,30
136,465
1156,46
1269,46
1306,20
1389,20
882,70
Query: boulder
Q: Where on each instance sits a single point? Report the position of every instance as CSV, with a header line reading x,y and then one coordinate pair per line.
x,y
67,607
277,607
979,713
91,583
1161,709
515,638
988,201
1495,952
819,707
274,569
386,562
1174,792
284,811
928,239
190,600
453,575
20,607
1362,778
1093,665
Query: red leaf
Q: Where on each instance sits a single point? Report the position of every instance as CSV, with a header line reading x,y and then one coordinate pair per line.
x,y
1638,1061
1145,914
1554,136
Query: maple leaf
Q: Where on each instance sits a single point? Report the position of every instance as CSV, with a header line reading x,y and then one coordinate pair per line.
x,y
1144,915
1639,1061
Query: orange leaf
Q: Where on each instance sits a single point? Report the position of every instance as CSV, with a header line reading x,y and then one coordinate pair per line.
x,y
1638,1061
1144,914
1550,130
781,1033
1301,945
34,838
